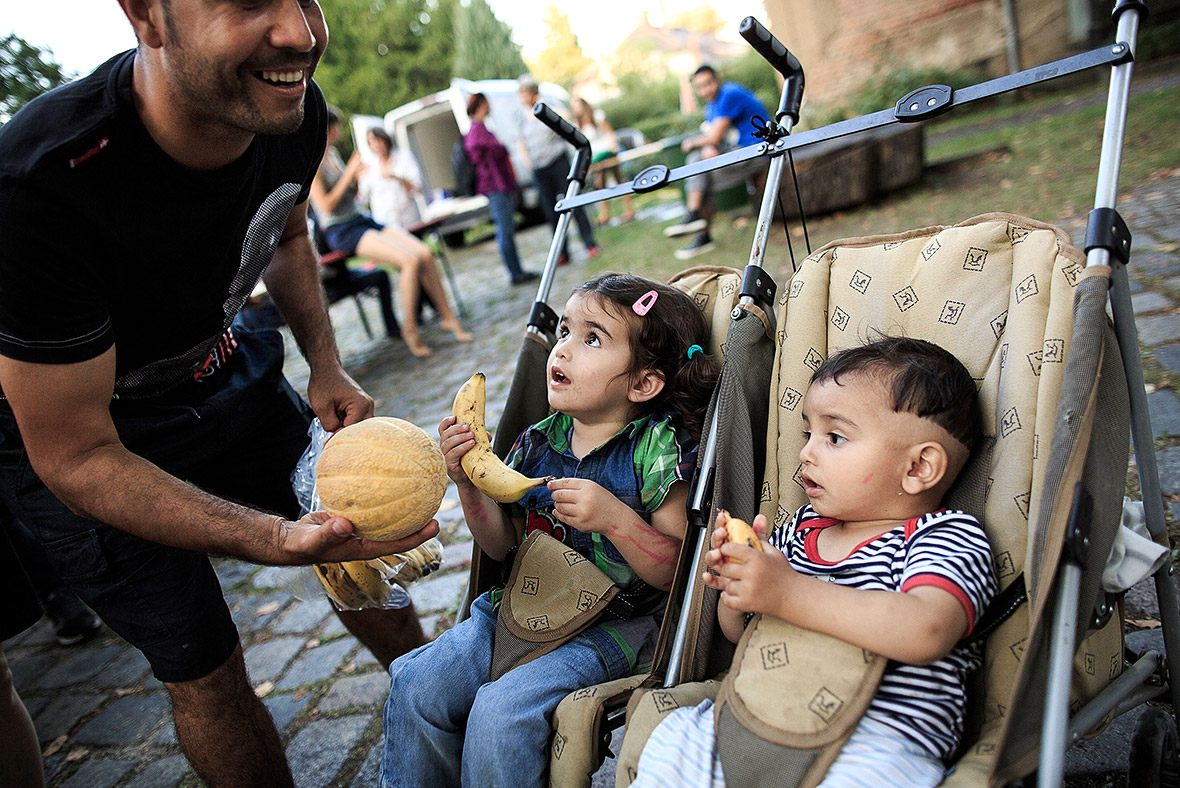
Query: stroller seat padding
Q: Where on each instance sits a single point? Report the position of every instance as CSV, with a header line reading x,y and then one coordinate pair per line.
x,y
999,292
996,291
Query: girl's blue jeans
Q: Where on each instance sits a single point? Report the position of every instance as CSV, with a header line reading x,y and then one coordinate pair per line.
x,y
446,724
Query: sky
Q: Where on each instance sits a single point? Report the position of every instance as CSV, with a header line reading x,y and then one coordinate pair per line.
x,y
84,33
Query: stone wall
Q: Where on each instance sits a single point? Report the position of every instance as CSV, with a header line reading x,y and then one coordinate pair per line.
x,y
843,44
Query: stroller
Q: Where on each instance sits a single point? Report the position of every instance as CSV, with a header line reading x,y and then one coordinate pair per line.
x,y
1061,388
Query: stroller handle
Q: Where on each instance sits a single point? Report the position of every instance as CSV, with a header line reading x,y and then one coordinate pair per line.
x,y
560,125
765,44
769,47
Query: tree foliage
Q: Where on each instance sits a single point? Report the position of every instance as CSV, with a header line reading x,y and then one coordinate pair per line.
x,y
26,71
703,19
384,53
562,58
484,48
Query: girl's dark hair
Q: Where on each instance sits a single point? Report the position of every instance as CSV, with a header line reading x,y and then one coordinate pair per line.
x,y
923,379
382,135
660,341
334,117
474,102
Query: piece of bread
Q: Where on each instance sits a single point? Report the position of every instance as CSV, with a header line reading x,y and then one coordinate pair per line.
x,y
739,531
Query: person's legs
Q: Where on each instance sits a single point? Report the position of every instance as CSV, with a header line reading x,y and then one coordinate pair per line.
x,y
168,603
878,754
500,204
379,280
558,173
386,633
20,753
510,724
586,231
225,731
628,201
682,750
431,691
377,245
164,601
604,206
550,180
419,272
698,190
429,279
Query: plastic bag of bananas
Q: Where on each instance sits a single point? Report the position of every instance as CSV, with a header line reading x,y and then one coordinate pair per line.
x,y
380,583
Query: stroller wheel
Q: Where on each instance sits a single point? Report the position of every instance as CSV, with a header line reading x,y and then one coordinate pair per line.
x,y
1155,752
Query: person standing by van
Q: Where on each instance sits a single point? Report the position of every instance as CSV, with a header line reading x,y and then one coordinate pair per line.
x,y
495,179
547,155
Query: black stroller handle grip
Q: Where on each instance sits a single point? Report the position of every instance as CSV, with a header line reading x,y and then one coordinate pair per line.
x,y
560,126
770,48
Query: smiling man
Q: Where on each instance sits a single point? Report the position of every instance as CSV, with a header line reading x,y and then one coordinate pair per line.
x,y
139,207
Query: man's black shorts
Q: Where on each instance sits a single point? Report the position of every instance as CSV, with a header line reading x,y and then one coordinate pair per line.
x,y
237,434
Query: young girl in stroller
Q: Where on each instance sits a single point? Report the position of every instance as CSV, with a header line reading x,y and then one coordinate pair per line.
x,y
888,427
629,383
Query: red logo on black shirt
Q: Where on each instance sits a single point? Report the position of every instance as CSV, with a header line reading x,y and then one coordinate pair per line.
x,y
217,357
96,149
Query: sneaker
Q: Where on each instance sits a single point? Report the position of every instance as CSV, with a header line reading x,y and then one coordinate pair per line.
x,y
691,223
593,251
701,244
72,621
563,259
525,277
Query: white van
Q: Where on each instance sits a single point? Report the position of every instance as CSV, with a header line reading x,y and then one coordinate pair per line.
x,y
430,126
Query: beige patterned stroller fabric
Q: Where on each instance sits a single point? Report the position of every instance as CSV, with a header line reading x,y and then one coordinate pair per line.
x,y
552,594
998,291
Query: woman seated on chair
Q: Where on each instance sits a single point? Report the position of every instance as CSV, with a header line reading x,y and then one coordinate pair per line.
x,y
349,230
389,187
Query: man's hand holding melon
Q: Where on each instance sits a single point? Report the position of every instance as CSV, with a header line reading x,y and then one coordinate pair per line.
x,y
380,482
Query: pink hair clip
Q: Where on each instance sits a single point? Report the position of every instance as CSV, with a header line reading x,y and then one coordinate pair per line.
x,y
645,302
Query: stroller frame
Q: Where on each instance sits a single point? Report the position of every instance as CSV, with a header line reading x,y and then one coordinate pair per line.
x,y
1107,244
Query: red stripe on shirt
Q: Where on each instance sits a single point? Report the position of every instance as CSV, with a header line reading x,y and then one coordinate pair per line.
x,y
938,581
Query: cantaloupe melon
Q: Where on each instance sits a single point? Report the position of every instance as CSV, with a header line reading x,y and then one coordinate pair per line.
x,y
386,475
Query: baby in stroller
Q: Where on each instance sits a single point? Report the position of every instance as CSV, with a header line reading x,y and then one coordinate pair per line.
x,y
630,384
888,427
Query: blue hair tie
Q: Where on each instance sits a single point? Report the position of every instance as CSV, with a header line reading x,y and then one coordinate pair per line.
x,y
692,350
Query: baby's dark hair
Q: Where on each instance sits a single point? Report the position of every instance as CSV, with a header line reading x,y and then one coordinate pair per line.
x,y
660,341
922,378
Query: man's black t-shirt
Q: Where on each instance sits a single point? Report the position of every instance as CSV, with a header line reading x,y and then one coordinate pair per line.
x,y
104,239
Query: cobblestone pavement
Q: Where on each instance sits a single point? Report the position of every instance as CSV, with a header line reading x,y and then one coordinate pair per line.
x,y
104,721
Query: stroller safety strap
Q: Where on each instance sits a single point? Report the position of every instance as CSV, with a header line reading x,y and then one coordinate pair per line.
x,y
553,593
800,693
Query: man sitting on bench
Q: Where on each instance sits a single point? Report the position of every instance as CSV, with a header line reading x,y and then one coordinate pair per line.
x,y
728,110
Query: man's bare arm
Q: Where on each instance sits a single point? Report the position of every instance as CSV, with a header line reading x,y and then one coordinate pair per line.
x,y
293,281
63,411
711,138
